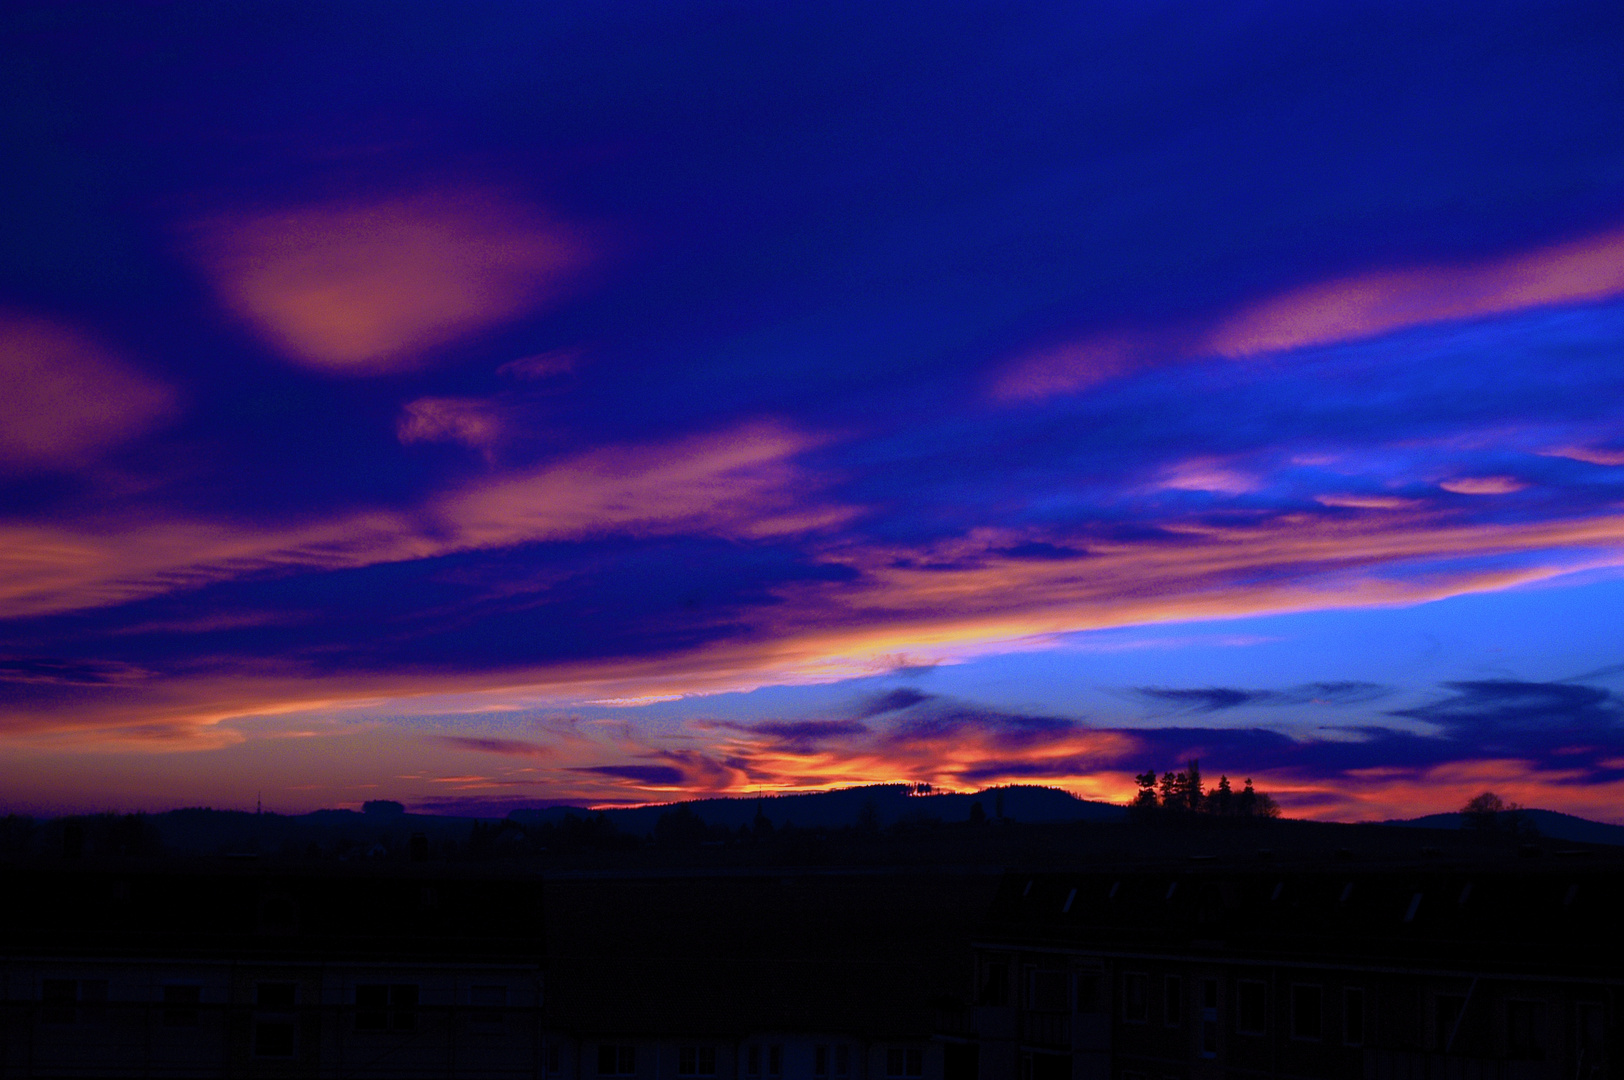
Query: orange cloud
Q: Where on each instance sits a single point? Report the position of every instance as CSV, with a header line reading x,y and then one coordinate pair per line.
x,y
1204,474
1349,309
1369,305
1588,455
1066,369
1367,502
1483,485
67,396
433,419
368,286
1386,793
943,602
738,483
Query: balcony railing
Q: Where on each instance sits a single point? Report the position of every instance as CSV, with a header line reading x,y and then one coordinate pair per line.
x,y
1046,1029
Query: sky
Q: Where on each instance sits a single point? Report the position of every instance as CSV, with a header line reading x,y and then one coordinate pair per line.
x,y
498,405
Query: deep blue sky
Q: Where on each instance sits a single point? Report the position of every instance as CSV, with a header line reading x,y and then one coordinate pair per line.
x,y
534,402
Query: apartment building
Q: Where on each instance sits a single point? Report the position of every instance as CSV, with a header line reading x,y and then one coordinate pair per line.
x,y
214,971
1326,972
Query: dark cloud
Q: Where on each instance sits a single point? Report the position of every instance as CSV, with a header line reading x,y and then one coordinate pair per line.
x,y
513,747
69,672
894,701
1037,549
998,729
1520,710
1208,699
1217,698
656,775
794,736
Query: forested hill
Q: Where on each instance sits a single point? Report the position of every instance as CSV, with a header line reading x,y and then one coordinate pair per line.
x,y
882,805
1548,823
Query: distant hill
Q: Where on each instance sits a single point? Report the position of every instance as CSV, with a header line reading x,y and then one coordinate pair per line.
x,y
887,804
1550,823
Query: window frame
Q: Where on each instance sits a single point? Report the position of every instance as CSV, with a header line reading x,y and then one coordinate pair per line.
x,y
1298,991
624,1057
180,1009
1350,1037
904,1062
1172,1001
696,1059
1241,1004
1141,981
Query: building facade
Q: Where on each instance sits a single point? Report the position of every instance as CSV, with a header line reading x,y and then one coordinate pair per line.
x,y
1333,973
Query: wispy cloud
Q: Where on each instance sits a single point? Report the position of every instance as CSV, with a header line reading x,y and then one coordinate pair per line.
x,y
1349,309
1219,698
1588,269
469,421
740,483
510,747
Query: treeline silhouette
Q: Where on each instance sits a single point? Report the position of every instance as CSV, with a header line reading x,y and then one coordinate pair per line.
x,y
1180,795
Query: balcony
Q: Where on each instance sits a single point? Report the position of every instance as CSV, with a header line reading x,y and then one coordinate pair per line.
x,y
1046,1029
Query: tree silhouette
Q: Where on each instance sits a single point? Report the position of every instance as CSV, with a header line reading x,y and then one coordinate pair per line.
x,y
1181,795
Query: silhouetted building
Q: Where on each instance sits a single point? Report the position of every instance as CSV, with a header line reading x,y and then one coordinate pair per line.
x,y
1333,973
237,972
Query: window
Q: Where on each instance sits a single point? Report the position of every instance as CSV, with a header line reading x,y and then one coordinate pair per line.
x,y
554,1059
386,1005
273,1038
995,983
1446,1010
1589,1043
904,1061
1135,997
696,1061
487,1003
403,1006
371,1007
1209,1018
842,1060
1088,993
1306,1011
57,997
1251,1013
274,1035
1173,1001
1353,1016
1035,1066
775,1060
1046,991
617,1059
181,1003
820,1061
276,997
752,1060
1525,1030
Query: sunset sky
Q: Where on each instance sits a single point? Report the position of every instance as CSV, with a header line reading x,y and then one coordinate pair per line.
x,y
488,405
